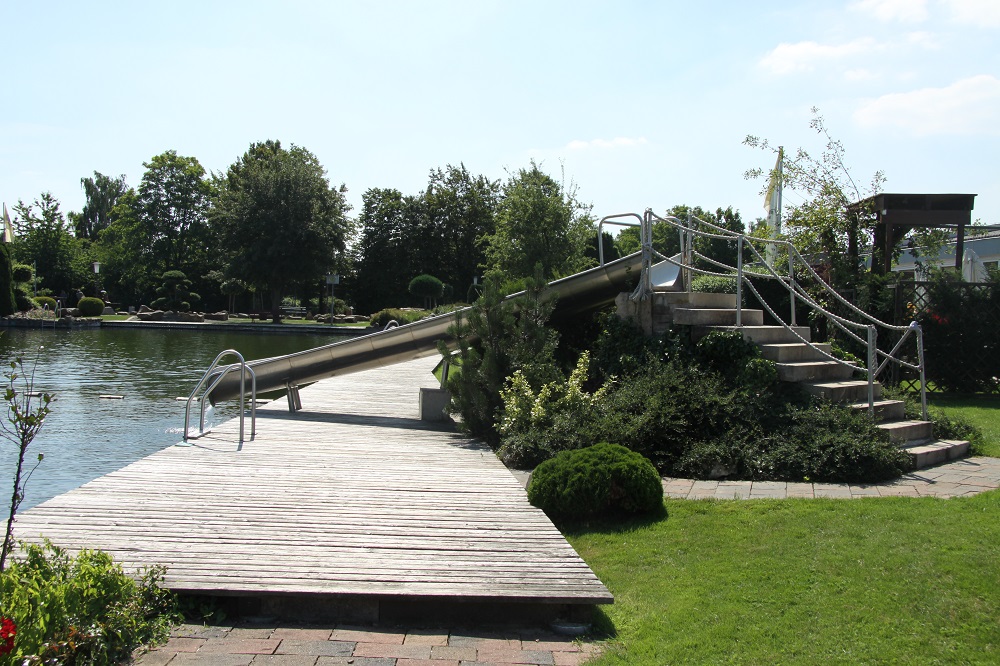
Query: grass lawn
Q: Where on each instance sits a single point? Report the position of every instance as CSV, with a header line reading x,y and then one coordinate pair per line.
x,y
882,580
983,411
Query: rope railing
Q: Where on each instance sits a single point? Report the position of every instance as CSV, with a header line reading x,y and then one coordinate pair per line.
x,y
863,332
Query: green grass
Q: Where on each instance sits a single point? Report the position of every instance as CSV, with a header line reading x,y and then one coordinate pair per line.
x,y
885,580
982,411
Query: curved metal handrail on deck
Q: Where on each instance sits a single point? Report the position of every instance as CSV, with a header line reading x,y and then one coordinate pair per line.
x,y
244,369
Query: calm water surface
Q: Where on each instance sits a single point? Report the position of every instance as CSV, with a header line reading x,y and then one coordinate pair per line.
x,y
85,436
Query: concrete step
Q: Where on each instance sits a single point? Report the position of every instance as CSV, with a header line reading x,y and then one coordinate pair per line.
x,y
790,352
885,410
935,452
803,371
695,299
908,431
758,334
716,317
850,390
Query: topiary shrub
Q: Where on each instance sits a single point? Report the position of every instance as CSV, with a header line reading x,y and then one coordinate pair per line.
x,y
46,301
90,306
599,479
175,293
21,272
428,288
23,299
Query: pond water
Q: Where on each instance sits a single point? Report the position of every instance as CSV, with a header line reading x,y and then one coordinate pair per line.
x,y
86,436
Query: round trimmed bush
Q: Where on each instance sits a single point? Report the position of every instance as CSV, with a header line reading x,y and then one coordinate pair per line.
x,y
595,480
90,306
44,301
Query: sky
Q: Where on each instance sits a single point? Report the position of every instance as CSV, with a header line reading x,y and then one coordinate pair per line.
x,y
636,104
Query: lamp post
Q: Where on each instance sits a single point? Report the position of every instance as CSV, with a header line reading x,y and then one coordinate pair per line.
x,y
97,272
332,279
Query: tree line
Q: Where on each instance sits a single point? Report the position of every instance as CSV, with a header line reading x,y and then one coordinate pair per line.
x,y
272,227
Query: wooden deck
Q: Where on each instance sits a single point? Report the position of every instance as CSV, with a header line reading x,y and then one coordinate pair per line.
x,y
351,496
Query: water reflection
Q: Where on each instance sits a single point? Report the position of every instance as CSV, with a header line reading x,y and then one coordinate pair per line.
x,y
86,436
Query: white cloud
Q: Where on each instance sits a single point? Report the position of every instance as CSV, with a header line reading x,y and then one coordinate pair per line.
x,y
984,13
969,106
893,10
860,74
804,56
618,142
925,40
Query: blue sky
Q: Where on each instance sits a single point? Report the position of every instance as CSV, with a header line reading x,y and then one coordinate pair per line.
x,y
640,104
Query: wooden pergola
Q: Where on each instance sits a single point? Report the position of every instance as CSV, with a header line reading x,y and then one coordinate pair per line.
x,y
897,214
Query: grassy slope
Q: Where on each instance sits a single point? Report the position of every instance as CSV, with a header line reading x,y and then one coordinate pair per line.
x,y
890,580
981,410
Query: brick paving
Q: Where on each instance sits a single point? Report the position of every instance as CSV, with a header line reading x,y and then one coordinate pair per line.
x,y
285,645
959,478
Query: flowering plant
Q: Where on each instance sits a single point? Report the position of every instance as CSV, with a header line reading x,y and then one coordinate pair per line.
x,y
8,630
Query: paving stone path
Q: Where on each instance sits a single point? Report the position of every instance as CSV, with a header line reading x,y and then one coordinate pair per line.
x,y
968,476
252,644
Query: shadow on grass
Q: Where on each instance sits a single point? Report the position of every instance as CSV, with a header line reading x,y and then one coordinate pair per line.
x,y
612,523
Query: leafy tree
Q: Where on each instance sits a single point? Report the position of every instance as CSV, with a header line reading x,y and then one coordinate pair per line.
x,y
428,288
103,194
437,230
538,222
175,293
279,218
172,203
126,253
44,240
501,337
825,224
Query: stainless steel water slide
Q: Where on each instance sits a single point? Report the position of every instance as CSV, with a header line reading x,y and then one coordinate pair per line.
x,y
590,289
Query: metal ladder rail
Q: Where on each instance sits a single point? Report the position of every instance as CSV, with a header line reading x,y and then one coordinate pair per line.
x,y
244,368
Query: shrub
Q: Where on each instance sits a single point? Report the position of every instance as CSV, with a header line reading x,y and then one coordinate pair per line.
x,y
714,284
175,293
82,610
21,272
402,317
538,424
598,479
496,339
428,288
90,306
44,301
23,298
726,351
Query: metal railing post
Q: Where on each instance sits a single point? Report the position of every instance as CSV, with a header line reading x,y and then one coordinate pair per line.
x,y
872,336
739,281
920,364
791,287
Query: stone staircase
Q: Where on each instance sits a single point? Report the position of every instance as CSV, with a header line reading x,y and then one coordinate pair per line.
x,y
798,362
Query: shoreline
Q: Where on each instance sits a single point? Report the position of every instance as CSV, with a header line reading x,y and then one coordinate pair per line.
x,y
277,329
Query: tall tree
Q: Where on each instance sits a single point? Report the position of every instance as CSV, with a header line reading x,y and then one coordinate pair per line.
x,y
538,223
279,219
173,202
126,254
382,261
44,240
825,224
103,194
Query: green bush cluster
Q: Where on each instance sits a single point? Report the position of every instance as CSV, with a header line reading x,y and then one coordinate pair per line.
x,y
713,284
595,480
43,301
402,317
82,609
715,409
90,306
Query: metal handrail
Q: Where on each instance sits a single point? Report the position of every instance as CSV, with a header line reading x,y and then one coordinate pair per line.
x,y
244,369
689,229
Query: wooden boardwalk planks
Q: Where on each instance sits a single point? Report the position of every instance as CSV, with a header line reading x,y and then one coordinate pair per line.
x,y
351,496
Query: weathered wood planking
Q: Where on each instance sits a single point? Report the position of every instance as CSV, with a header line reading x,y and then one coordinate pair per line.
x,y
353,495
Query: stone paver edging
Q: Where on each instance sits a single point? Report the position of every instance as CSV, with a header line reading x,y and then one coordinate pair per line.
x,y
959,478
257,644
